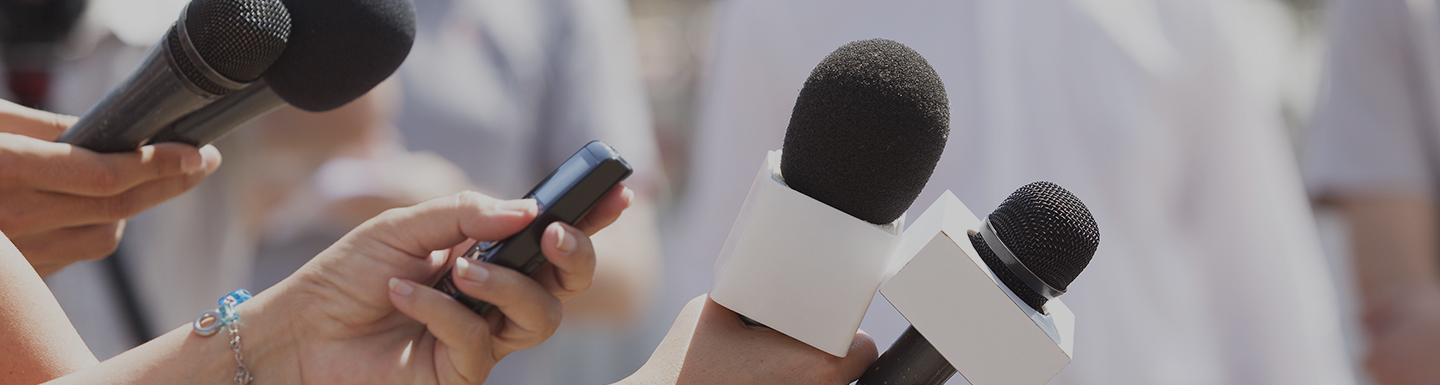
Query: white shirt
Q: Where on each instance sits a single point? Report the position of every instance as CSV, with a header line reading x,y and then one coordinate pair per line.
x,y
1375,130
1209,269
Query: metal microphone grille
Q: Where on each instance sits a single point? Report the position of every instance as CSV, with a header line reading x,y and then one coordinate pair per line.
x,y
1051,233
240,39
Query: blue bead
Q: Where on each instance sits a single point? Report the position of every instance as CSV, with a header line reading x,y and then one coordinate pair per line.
x,y
240,296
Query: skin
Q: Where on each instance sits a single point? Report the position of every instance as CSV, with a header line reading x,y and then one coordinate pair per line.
x,y
709,344
297,143
61,204
1394,254
362,311
37,342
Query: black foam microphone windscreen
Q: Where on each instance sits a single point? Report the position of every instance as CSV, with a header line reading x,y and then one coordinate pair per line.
x,y
1050,232
867,130
341,49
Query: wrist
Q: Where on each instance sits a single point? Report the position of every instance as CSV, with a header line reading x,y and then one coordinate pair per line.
x,y
269,346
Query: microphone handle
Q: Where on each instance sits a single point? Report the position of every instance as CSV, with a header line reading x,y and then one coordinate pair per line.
x,y
212,122
912,360
154,95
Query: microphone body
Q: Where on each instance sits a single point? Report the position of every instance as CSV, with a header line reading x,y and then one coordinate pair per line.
x,y
799,266
816,233
911,360
981,295
338,51
213,121
151,97
216,47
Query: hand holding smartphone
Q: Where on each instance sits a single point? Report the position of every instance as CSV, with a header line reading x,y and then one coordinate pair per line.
x,y
566,195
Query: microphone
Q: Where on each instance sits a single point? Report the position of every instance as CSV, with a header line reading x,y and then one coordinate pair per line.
x,y
813,238
1035,244
32,32
217,47
338,51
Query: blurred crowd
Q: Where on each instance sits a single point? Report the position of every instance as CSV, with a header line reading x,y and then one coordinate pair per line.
x,y
1264,172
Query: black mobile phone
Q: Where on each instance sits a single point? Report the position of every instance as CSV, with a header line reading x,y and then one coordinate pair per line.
x,y
565,195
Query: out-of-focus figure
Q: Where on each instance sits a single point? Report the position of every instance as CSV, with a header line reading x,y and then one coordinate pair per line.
x,y
1374,154
1163,116
508,90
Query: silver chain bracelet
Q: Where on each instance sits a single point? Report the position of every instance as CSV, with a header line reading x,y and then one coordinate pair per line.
x,y
209,322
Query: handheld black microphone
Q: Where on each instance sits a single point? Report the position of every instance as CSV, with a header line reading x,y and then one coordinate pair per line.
x,y
217,46
338,50
1036,242
867,129
32,32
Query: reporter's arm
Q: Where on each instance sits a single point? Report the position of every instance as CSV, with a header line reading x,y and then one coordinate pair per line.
x,y
37,342
363,312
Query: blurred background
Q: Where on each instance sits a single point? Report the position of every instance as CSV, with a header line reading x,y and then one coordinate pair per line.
x,y
525,83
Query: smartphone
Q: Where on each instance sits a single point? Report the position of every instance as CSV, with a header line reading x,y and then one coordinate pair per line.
x,y
565,195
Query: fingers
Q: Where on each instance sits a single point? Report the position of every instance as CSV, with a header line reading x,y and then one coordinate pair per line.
x,y
443,222
48,211
531,314
464,333
607,210
46,126
572,261
62,168
51,251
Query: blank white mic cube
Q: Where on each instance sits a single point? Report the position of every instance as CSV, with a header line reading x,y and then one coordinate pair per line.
x,y
800,266
949,295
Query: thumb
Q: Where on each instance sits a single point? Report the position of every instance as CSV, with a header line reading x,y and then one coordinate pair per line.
x,y
20,120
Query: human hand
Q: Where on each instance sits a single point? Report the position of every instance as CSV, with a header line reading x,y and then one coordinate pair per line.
x,y
347,327
1405,339
709,344
61,204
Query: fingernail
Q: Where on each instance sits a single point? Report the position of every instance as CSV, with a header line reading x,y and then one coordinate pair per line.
x,y
191,162
563,240
401,288
470,272
522,206
629,196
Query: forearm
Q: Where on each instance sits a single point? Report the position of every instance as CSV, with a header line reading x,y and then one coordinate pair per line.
x,y
37,342
1393,245
183,357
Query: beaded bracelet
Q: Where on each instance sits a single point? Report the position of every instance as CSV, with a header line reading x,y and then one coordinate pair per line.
x,y
209,322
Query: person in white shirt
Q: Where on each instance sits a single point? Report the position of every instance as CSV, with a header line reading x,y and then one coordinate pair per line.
x,y
1150,111
1374,154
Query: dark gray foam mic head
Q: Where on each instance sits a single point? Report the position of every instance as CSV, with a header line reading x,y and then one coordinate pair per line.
x,y
1050,232
867,130
237,39
340,49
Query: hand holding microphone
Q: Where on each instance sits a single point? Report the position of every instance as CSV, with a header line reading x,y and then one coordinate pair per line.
x,y
61,204
710,345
